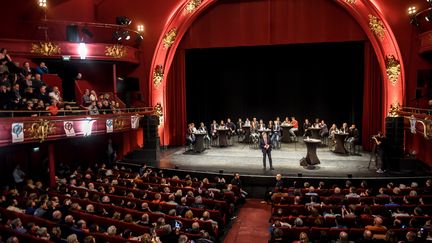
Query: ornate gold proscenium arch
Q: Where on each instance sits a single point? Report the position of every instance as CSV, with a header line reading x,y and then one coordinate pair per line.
x,y
365,12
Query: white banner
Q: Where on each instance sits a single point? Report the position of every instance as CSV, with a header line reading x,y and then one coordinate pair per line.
x,y
17,132
135,122
68,127
109,125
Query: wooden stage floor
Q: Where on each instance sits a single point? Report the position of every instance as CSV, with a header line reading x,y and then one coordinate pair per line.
x,y
248,161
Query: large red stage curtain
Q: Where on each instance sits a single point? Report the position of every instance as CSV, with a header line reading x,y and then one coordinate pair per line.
x,y
373,96
176,101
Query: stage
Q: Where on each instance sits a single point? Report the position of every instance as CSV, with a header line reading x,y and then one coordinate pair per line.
x,y
246,160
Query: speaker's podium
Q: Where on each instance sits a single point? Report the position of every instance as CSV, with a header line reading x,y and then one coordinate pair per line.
x,y
151,148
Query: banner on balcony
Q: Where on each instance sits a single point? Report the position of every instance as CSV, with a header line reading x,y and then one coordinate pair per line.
x,y
17,132
68,127
109,125
135,122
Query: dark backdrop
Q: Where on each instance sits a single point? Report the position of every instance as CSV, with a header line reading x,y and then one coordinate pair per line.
x,y
322,80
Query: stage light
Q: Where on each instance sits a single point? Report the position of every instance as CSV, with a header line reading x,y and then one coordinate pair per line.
x,y
117,36
123,20
42,3
412,10
82,50
140,28
126,35
429,17
87,32
429,1
36,149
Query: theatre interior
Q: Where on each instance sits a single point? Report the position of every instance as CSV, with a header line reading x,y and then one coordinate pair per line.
x,y
216,121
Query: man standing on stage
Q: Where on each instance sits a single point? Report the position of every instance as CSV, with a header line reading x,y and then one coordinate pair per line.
x,y
266,147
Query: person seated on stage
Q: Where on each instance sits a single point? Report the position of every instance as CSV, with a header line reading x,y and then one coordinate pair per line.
x,y
254,125
276,132
239,127
317,123
324,132
286,122
332,131
306,126
344,128
294,123
231,126
190,136
222,125
353,136
247,122
261,125
270,126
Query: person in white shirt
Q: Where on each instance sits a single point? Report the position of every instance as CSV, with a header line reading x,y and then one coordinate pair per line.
x,y
18,175
55,94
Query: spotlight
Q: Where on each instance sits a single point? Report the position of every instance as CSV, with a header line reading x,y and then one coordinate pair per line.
x,y
126,35
429,1
429,17
140,28
117,36
123,20
87,32
414,22
412,10
42,3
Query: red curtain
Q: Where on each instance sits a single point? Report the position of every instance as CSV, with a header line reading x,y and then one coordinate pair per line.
x,y
175,97
373,96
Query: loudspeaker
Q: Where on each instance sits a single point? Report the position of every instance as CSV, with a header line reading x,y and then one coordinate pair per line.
x,y
395,136
72,33
151,136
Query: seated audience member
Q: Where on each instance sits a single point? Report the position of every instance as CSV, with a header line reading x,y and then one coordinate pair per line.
x,y
4,97
5,61
53,108
85,100
41,69
106,107
55,95
43,95
93,109
377,226
26,69
14,97
93,96
37,81
40,106
29,94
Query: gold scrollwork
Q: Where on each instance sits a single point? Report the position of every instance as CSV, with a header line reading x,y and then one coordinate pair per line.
x,y
45,48
426,126
158,111
41,129
393,68
116,51
158,75
394,108
350,1
192,5
169,38
119,124
376,26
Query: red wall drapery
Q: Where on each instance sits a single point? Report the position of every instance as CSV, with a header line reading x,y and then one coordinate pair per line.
x,y
372,93
175,97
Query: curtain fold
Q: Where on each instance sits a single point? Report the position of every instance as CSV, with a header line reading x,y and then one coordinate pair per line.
x,y
373,96
175,97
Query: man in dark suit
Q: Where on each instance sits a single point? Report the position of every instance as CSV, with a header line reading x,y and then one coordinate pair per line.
x,y
266,148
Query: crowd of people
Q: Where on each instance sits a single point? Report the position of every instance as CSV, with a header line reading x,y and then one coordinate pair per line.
x,y
391,212
116,205
23,89
102,104
274,130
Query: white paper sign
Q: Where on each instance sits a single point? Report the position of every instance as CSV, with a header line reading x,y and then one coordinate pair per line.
x,y
109,126
68,127
135,122
17,132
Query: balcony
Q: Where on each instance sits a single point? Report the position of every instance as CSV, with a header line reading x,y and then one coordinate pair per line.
x,y
18,129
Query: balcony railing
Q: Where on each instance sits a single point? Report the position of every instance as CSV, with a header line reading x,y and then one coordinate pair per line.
x,y
417,121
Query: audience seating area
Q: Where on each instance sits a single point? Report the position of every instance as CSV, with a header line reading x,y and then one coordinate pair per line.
x,y
386,212
112,205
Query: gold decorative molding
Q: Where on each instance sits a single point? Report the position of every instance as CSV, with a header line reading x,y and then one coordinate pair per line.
x,y
192,5
350,1
158,75
393,68
118,124
41,129
45,48
426,125
169,38
116,51
376,26
394,108
158,111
